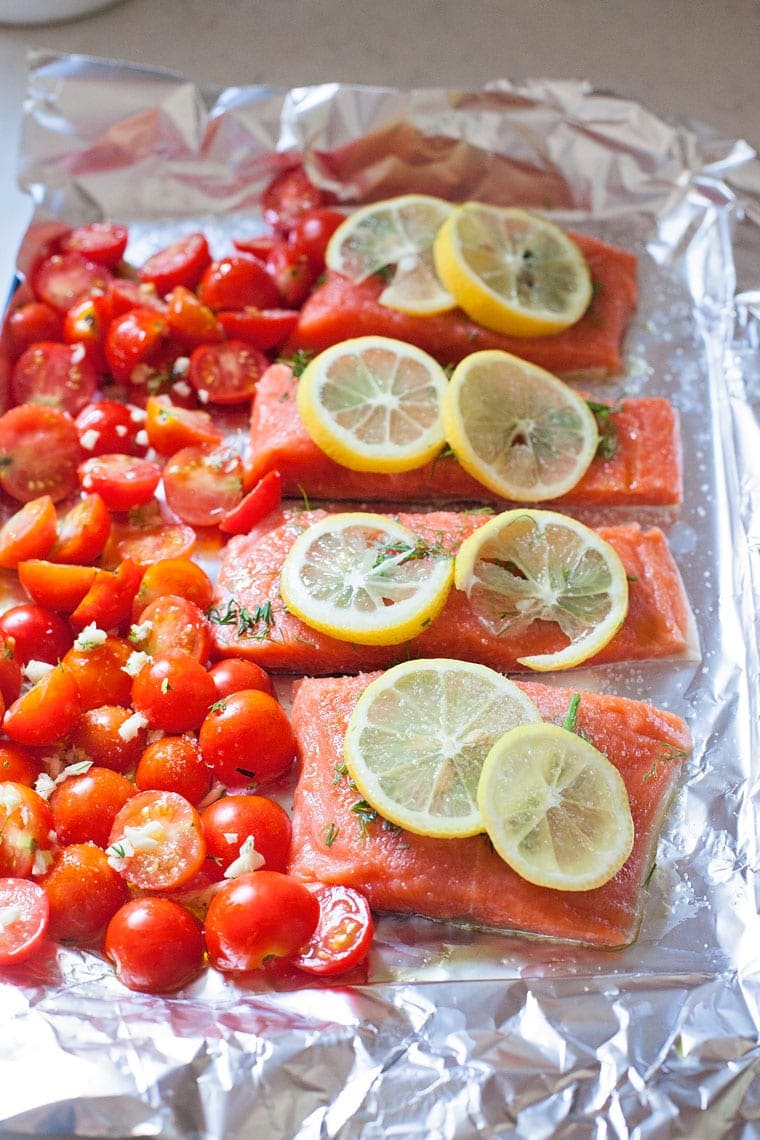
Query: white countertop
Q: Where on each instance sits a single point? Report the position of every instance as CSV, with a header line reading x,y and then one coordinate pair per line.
x,y
679,58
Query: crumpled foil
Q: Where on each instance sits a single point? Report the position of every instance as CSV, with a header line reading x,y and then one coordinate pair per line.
x,y
458,1033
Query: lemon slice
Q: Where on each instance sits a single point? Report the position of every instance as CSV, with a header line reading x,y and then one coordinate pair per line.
x,y
365,578
374,404
516,428
512,271
395,237
526,566
555,808
417,738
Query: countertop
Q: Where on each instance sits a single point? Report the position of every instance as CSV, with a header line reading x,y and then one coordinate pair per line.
x,y
680,59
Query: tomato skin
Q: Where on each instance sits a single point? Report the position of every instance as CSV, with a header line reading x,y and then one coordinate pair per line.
x,y
170,427
97,735
177,576
343,935
175,624
47,712
247,738
18,764
108,602
23,935
31,323
65,278
101,242
174,764
122,481
235,673
99,673
289,196
155,944
264,329
26,824
174,692
226,373
191,321
259,915
54,585
83,532
84,893
311,233
292,273
229,821
10,669
38,633
236,281
264,497
85,806
134,338
39,452
29,533
177,846
109,426
181,263
203,483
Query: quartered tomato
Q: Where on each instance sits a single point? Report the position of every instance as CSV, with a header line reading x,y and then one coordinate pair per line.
x,y
26,827
174,764
174,692
264,497
29,533
86,324
289,196
181,263
235,281
24,913
109,426
155,944
226,373
259,915
18,763
10,669
343,935
108,602
101,242
191,321
231,820
38,633
170,427
122,481
46,712
63,279
84,893
157,841
247,738
56,586
83,531
39,452
85,805
203,483
31,323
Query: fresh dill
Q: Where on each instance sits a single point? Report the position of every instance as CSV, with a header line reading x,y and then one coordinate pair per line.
x,y
247,623
608,440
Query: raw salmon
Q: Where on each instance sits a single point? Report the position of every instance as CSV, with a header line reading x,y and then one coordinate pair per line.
x,y
657,625
338,309
643,470
464,880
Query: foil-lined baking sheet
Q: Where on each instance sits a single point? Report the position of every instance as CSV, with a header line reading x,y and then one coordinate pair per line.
x,y
458,1033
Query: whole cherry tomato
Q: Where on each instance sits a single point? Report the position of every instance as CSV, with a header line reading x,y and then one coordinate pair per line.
x,y
85,805
236,281
174,692
39,634
109,426
155,944
235,673
84,893
19,764
289,196
312,232
231,820
109,735
135,338
292,272
99,669
174,764
259,915
247,738
31,323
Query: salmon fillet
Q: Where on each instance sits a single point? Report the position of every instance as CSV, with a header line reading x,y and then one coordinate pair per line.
x,y
657,624
464,880
645,469
338,309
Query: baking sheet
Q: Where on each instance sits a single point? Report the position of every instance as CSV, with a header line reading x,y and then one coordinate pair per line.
x,y
458,1034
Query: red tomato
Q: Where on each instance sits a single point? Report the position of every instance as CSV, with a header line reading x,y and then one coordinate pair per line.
x,y
292,273
177,576
191,321
102,242
47,712
264,329
256,505
55,585
174,764
83,532
312,232
108,602
25,911
260,246
29,533
85,806
100,674
84,893
343,935
247,739
174,623
86,324
146,545
63,279
31,323
174,692
181,263
170,427
19,764
39,452
236,281
59,375
109,426
157,841
263,914
122,481
10,669
226,373
26,824
235,673
38,633
228,822
124,294
105,736
289,196
155,944
203,483
134,338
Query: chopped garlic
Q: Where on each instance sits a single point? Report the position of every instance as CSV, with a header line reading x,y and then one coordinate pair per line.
x,y
35,670
140,632
249,859
135,662
42,862
132,726
44,785
89,439
90,637
9,914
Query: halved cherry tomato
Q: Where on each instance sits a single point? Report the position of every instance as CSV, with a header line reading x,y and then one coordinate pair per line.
x,y
122,481
261,245
47,712
191,321
145,545
99,671
203,483
39,452
63,279
177,576
10,668
86,323
259,915
235,673
174,692
38,633
343,935
124,294
232,820
135,338
27,533
19,764
108,602
173,623
264,329
58,375
292,272
155,944
170,427
235,281
256,505
110,426
174,764
226,373
102,242
84,893
106,736
311,233
85,805
26,828
157,841
83,532
181,263
24,914
247,738
31,323
289,196
57,586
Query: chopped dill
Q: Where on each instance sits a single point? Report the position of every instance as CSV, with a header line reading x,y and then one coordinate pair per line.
x,y
247,624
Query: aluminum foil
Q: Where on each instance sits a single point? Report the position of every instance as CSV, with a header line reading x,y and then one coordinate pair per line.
x,y
458,1034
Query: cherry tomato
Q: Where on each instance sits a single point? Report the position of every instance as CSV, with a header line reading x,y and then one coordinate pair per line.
x,y
203,483
84,893
157,841
38,633
31,323
100,674
170,427
259,915
343,935
83,532
236,281
191,321
84,806
174,623
10,669
289,196
124,294
39,452
264,329
230,821
19,764
109,426
24,909
177,576
264,497
107,736
134,338
108,602
47,712
155,944
122,481
293,274
311,233
101,242
29,533
55,586
86,324
174,692
260,245
247,738
63,279
235,673
59,375
226,373
145,545
26,825
174,764
181,263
